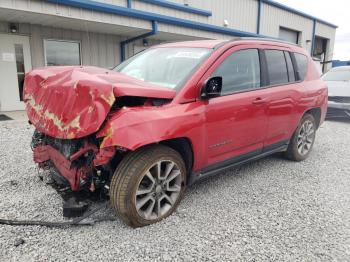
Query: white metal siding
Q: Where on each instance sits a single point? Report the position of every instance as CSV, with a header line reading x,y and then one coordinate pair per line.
x,y
325,31
272,18
240,14
46,8
96,49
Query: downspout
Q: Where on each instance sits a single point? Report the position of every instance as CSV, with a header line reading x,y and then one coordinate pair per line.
x,y
127,41
259,17
313,38
129,3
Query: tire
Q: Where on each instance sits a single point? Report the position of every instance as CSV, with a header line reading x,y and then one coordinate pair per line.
x,y
302,139
133,177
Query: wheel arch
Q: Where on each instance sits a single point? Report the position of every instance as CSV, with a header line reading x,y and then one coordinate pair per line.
x,y
183,146
316,113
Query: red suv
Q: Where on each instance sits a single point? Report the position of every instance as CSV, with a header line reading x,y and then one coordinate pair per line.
x,y
170,116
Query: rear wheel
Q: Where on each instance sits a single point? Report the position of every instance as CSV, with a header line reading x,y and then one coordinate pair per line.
x,y
303,139
148,185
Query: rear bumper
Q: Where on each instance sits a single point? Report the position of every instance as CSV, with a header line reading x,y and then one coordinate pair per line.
x,y
336,110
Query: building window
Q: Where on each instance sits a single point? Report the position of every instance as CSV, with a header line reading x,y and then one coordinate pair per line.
x,y
289,35
20,68
62,53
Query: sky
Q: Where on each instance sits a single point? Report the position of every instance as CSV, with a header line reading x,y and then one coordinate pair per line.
x,y
334,11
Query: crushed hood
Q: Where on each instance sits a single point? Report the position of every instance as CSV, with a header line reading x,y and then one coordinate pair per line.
x,y
73,101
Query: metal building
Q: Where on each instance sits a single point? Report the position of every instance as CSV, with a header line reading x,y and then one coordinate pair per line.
x,y
35,33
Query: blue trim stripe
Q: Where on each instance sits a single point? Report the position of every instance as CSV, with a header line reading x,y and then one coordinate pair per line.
x,y
292,10
180,7
128,12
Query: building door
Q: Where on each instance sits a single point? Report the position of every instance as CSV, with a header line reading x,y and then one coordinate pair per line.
x,y
15,61
289,35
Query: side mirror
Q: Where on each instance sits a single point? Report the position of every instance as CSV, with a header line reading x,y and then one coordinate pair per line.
x,y
212,87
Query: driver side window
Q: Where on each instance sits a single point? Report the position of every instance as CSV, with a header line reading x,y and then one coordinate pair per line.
x,y
240,71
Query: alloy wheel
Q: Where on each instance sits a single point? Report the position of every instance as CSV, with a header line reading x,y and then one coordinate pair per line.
x,y
305,137
158,190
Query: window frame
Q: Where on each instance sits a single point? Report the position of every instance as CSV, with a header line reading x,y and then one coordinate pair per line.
x,y
294,72
291,53
262,72
66,41
264,78
267,68
296,68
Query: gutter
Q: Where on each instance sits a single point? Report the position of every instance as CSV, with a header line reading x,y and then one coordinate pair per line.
x,y
313,38
144,15
124,43
259,17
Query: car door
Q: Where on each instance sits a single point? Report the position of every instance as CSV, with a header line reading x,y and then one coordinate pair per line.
x,y
236,121
283,98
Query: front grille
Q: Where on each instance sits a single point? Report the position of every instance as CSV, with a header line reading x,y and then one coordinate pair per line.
x,y
339,99
65,146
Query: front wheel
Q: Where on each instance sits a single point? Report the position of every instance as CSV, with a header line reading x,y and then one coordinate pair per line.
x,y
148,185
303,139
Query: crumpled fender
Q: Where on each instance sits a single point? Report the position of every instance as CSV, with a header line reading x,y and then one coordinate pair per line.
x,y
132,128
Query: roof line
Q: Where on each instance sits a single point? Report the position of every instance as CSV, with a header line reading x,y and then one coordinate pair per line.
x,y
295,11
271,39
184,8
149,16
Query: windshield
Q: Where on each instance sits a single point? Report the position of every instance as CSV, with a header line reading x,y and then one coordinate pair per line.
x,y
167,67
339,75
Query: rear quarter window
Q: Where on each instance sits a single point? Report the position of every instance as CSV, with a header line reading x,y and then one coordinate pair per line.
x,y
301,64
277,67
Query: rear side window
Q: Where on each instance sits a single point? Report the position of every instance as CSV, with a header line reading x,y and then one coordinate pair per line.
x,y
301,63
240,71
276,67
291,74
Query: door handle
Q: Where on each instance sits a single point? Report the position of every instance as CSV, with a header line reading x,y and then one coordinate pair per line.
x,y
259,101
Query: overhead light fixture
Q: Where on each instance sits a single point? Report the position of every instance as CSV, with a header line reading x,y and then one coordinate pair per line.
x,y
13,28
145,42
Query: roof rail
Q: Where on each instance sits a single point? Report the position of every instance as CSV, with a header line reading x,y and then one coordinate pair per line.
x,y
268,39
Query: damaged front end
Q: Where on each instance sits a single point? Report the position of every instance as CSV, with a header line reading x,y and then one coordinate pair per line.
x,y
76,163
68,106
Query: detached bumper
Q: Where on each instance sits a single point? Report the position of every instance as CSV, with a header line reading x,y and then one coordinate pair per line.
x,y
338,110
74,175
